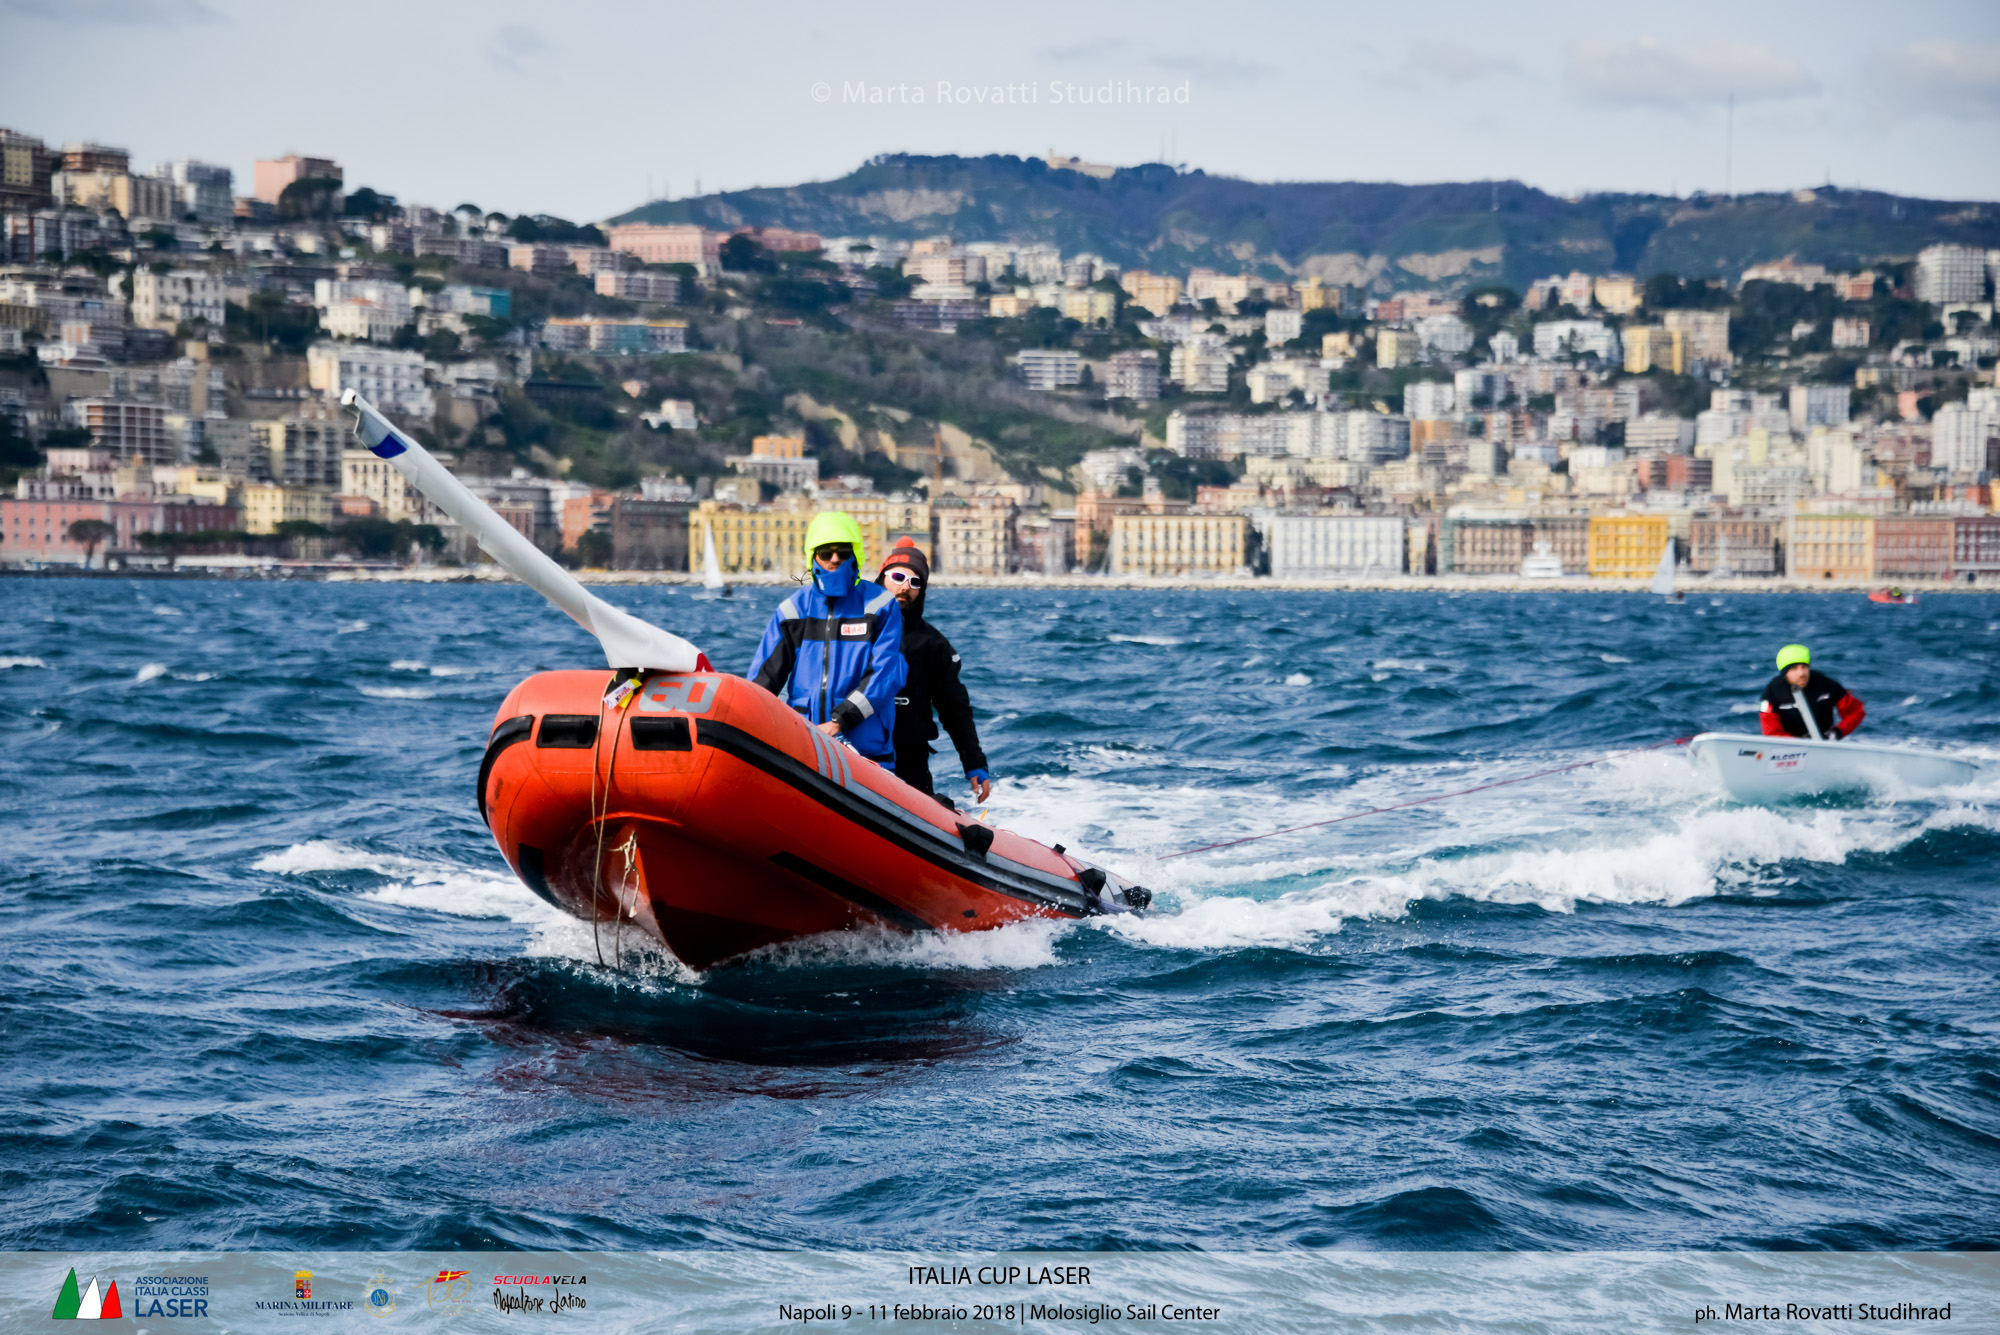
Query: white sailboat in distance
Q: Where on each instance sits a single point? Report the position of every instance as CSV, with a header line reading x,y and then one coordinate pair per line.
x,y
1663,578
711,569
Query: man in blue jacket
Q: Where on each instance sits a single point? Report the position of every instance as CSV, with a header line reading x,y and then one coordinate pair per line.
x,y
834,650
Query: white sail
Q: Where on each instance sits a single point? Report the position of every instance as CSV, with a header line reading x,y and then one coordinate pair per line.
x,y
628,642
711,569
1663,578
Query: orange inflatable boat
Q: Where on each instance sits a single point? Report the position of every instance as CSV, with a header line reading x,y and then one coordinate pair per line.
x,y
699,808
704,812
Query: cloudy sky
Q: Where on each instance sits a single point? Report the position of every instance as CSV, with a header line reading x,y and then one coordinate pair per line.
x,y
580,109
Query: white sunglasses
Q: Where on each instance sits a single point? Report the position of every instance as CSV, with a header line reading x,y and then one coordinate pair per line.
x,y
900,576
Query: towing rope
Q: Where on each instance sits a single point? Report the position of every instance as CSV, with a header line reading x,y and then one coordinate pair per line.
x,y
1438,797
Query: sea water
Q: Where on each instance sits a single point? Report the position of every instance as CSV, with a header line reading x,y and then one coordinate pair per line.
x,y
268,984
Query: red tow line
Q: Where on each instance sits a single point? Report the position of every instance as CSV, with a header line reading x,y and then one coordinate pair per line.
x,y
1438,797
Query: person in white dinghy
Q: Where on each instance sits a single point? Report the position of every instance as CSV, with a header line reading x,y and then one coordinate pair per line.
x,y
1804,702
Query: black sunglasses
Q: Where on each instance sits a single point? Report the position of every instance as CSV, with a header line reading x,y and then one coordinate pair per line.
x,y
839,549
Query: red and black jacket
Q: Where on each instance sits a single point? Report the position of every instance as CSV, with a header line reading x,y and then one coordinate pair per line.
x,y
1837,712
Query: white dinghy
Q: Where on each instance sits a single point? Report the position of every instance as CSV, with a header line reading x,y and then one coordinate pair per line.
x,y
1777,769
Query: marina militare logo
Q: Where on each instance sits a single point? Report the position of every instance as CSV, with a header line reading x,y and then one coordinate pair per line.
x,y
87,1305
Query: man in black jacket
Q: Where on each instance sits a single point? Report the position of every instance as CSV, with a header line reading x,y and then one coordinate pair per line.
x,y
933,682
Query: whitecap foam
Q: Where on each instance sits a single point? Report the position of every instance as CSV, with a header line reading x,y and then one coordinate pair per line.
x,y
1158,641
194,676
24,660
351,627
398,693
1639,829
1298,679
452,672
162,610
409,665
1613,658
150,671
419,883
1028,944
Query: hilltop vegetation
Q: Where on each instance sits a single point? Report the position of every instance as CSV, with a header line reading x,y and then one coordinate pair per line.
x,y
1381,236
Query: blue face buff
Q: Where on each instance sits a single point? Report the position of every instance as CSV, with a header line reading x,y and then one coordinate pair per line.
x,y
835,584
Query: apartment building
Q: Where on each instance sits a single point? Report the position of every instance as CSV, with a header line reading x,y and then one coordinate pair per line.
x,y
1831,547
177,297
1134,375
1177,544
1626,546
678,243
1310,546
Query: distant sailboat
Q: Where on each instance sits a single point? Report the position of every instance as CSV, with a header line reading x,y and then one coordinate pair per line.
x,y
711,569
1663,578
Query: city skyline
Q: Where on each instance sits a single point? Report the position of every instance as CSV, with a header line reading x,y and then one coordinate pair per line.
x,y
1556,96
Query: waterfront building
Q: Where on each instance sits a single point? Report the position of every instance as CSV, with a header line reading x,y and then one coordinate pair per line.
x,y
1309,546
1626,546
1913,546
1735,543
1177,544
771,537
1975,547
1839,546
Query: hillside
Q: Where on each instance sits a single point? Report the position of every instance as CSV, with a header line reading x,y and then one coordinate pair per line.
x,y
1450,236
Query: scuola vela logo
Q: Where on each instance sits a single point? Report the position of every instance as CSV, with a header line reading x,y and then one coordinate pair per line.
x,y
88,1305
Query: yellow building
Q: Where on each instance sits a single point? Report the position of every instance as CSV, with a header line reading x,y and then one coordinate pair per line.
x,y
1655,348
772,537
1088,305
266,505
1831,547
1316,297
1339,344
778,447
395,496
1396,347
1158,293
1625,546
1617,293
974,537
1188,544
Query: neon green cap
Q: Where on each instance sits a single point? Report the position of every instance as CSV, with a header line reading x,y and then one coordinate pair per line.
x,y
836,526
1793,653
